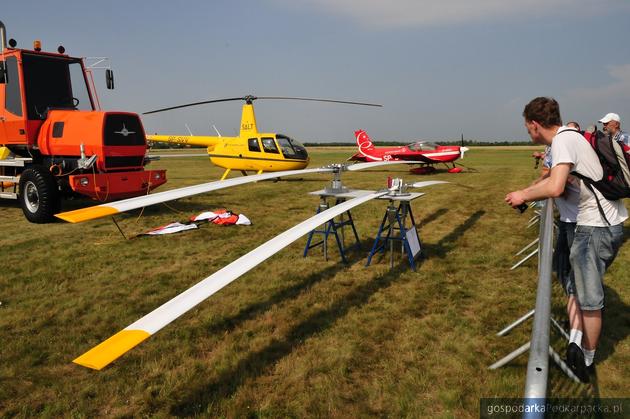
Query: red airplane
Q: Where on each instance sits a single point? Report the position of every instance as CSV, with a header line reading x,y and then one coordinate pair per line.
x,y
424,151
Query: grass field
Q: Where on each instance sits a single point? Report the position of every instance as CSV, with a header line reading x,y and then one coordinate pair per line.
x,y
295,337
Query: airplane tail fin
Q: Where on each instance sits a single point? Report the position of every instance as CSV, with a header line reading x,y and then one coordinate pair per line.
x,y
363,141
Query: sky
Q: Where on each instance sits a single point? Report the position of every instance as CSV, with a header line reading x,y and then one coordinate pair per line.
x,y
439,68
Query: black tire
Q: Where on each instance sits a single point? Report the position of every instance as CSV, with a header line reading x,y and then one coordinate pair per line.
x,y
39,195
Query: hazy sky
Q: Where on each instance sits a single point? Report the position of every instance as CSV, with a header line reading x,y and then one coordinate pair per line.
x,y
440,68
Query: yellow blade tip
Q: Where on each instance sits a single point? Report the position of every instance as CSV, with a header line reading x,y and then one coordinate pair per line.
x,y
111,349
85,214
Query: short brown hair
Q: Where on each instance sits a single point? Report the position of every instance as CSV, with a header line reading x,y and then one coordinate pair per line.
x,y
544,110
575,124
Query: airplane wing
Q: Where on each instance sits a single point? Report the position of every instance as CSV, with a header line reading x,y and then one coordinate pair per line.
x,y
419,158
112,208
111,349
357,157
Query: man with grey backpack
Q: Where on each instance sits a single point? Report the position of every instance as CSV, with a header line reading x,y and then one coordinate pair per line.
x,y
599,230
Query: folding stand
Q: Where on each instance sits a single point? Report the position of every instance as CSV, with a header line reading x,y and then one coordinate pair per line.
x,y
393,223
334,226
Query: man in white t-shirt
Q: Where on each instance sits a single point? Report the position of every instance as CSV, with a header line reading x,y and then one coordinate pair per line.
x,y
597,239
567,205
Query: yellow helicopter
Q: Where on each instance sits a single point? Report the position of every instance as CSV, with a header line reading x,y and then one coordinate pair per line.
x,y
251,150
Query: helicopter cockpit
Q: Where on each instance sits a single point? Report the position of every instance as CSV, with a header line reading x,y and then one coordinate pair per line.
x,y
291,149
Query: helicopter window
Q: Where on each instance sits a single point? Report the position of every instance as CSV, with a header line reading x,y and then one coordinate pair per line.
x,y
253,144
291,148
285,146
269,145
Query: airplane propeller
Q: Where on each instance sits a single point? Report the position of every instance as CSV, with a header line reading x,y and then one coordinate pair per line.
x,y
250,98
462,149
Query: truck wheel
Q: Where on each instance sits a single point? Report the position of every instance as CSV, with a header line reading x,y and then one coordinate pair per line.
x,y
39,195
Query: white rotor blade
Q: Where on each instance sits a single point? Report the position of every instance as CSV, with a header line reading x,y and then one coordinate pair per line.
x,y
112,208
112,348
368,165
427,183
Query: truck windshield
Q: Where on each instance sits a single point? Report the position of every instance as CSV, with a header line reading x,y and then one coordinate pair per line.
x,y
54,83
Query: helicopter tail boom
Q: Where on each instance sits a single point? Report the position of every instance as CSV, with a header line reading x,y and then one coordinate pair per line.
x,y
200,140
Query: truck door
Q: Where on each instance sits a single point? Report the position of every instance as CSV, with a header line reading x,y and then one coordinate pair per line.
x,y
12,117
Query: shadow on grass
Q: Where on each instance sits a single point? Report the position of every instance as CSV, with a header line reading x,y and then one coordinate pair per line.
x,y
447,243
615,329
626,235
290,179
432,217
230,323
257,363
570,392
9,203
616,324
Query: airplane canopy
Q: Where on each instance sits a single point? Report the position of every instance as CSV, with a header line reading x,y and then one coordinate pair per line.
x,y
422,146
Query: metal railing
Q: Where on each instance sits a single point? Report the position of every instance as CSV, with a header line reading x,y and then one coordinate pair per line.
x,y
538,364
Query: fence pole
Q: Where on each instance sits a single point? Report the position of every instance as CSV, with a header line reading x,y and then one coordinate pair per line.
x,y
538,364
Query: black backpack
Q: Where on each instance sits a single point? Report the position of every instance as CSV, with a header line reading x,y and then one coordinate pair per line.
x,y
615,183
615,161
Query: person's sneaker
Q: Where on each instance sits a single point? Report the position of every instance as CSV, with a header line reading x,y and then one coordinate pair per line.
x,y
575,360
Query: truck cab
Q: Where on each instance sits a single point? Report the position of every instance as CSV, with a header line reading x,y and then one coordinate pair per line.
x,y
60,142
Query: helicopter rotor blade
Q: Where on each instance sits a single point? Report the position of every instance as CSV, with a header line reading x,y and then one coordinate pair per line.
x,y
320,100
116,207
250,99
194,104
112,208
111,349
427,183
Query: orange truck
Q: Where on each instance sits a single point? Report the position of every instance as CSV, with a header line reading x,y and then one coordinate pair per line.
x,y
56,142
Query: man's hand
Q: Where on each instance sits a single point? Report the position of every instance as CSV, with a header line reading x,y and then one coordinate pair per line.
x,y
515,199
538,155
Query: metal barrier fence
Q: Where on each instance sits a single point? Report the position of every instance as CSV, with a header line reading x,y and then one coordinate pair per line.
x,y
538,364
539,348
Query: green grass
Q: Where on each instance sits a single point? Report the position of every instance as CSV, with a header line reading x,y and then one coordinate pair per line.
x,y
295,336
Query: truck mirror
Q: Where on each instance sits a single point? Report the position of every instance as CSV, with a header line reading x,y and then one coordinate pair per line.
x,y
109,79
3,73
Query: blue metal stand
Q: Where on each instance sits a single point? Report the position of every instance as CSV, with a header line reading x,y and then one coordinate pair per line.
x,y
334,227
393,227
